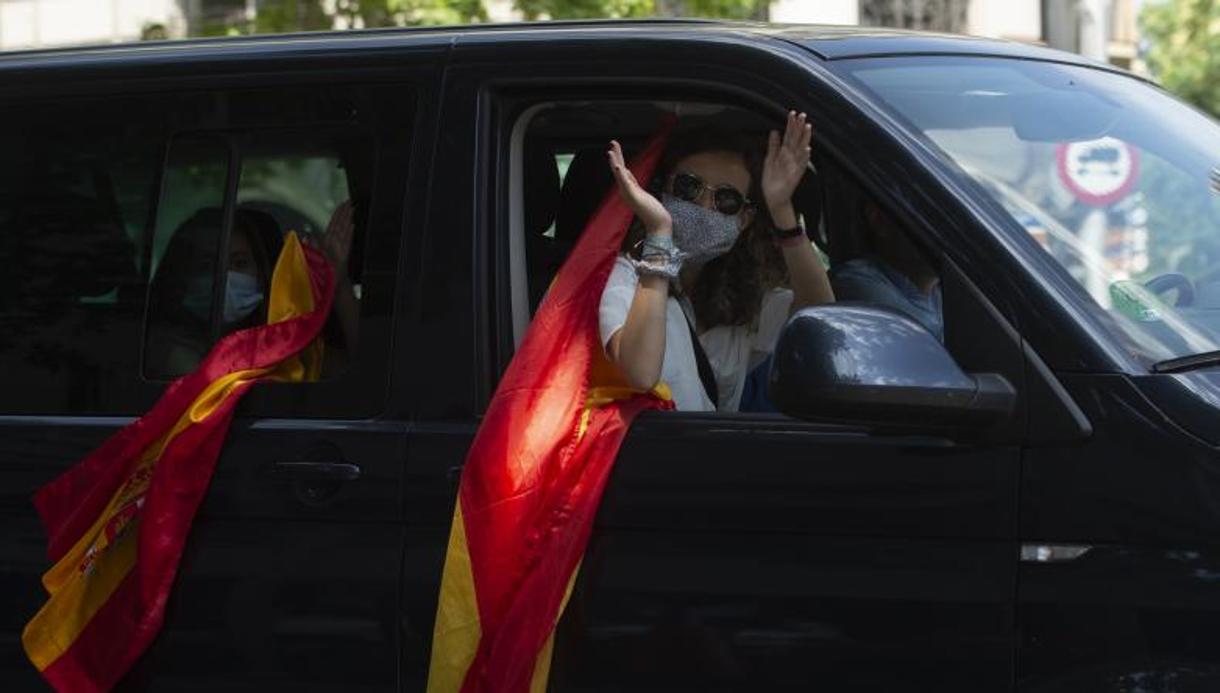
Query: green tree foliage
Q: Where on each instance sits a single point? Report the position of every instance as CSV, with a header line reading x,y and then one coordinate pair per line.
x,y
281,16
1184,49
584,9
726,9
375,13
597,9
228,17
1184,55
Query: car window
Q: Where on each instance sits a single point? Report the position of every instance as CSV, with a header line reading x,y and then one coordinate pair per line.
x,y
189,220
76,197
1114,179
213,253
564,177
120,218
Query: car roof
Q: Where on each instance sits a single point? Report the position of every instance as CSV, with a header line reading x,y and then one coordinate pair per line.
x,y
838,42
825,41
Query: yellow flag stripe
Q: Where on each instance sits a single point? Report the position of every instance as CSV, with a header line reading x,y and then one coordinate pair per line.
x,y
542,665
456,634
53,630
455,637
77,592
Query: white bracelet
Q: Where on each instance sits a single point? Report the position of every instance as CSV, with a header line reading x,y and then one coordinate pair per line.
x,y
658,258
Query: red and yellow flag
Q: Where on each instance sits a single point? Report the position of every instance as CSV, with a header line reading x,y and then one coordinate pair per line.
x,y
118,520
534,477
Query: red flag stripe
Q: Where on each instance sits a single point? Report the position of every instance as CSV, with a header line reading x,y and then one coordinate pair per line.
x,y
125,623
532,482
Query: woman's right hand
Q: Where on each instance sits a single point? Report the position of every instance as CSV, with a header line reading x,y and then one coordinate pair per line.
x,y
646,206
337,243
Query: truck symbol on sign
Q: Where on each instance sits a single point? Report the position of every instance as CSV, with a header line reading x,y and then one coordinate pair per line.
x,y
1100,155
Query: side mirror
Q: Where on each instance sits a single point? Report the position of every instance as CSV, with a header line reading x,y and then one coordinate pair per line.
x,y
865,364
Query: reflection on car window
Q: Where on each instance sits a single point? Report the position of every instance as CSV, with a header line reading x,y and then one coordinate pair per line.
x,y
75,201
1111,176
300,191
206,284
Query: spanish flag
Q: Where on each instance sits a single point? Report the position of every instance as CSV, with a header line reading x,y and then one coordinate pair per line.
x,y
534,476
118,520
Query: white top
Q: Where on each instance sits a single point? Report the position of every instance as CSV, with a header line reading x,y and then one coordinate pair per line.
x,y
732,351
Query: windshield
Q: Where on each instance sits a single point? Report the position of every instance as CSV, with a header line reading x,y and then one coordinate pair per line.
x,y
1114,179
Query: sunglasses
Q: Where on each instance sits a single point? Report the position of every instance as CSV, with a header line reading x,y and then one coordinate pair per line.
x,y
725,198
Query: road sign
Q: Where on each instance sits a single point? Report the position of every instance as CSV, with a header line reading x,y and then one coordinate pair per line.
x,y
1098,172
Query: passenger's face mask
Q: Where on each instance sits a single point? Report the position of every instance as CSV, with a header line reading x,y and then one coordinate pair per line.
x,y
700,233
242,296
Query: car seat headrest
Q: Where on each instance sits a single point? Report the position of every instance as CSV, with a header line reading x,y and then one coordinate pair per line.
x,y
842,216
586,184
809,199
540,187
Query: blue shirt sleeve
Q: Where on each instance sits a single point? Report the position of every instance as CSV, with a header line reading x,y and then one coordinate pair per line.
x,y
862,280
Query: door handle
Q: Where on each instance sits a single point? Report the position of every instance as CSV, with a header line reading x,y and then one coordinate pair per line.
x,y
316,471
317,476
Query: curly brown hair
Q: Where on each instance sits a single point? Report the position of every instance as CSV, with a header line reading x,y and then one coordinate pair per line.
x,y
731,287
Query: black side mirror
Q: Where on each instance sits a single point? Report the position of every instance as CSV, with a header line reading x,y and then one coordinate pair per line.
x,y
866,364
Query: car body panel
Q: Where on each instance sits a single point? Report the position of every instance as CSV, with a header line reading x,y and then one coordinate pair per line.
x,y
729,553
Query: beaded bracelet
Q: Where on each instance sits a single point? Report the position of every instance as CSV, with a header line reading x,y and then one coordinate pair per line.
x,y
658,257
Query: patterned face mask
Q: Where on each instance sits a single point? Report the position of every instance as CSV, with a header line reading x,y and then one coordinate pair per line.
x,y
700,233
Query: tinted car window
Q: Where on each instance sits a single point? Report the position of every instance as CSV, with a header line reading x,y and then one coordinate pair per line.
x,y
185,249
214,252
300,189
76,197
97,191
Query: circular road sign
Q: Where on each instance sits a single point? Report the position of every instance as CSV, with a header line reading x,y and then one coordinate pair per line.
x,y
1098,172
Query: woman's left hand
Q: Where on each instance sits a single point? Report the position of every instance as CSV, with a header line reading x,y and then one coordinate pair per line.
x,y
787,157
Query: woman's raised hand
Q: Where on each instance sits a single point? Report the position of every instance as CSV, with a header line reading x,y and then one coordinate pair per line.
x,y
647,207
337,243
787,157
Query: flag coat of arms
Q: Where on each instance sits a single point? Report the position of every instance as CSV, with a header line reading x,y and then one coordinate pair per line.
x,y
118,520
534,476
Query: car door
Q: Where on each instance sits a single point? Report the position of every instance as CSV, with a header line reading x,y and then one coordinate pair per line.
x,y
1118,512
74,205
290,575
730,551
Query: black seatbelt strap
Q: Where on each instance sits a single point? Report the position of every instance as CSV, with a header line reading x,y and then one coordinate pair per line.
x,y
706,375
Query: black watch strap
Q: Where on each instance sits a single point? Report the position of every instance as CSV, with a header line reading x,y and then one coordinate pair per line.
x,y
784,234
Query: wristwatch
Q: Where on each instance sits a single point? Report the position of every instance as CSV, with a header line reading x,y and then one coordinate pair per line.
x,y
787,234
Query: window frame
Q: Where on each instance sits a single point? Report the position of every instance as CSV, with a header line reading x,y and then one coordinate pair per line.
x,y
508,107
361,389
236,142
503,122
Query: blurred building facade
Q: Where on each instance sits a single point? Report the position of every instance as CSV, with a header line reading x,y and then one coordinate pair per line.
x,y
1102,29
49,23
1105,30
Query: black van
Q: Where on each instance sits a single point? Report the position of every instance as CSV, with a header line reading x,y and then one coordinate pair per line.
x,y
1034,505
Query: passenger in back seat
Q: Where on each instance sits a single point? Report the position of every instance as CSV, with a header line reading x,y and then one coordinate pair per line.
x,y
180,303
697,298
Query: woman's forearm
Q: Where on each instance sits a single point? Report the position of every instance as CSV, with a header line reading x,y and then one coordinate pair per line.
x,y
638,348
810,284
